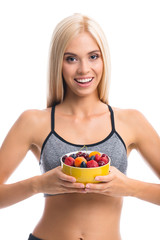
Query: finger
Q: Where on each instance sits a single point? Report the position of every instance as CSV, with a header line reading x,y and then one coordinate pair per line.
x,y
106,178
72,185
100,191
66,177
72,190
95,186
104,192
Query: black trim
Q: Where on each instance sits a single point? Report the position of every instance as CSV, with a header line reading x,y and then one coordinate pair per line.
x,y
121,139
81,145
52,117
44,143
112,117
32,237
113,126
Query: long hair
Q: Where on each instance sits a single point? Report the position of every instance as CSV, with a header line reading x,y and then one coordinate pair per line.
x,y
67,29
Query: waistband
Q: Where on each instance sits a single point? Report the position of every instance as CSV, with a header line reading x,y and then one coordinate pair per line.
x,y
32,237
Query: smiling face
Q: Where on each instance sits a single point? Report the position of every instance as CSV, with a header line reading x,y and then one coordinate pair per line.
x,y
82,66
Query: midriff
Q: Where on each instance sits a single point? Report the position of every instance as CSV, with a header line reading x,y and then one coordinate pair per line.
x,y
80,216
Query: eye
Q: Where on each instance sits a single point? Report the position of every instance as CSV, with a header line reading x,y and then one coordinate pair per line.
x,y
94,57
71,59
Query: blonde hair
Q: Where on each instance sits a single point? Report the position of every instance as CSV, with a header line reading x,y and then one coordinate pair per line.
x,y
67,29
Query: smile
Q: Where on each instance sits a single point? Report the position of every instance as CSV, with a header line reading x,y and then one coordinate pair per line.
x,y
83,80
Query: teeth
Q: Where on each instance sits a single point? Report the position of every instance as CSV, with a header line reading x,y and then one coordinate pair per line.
x,y
83,80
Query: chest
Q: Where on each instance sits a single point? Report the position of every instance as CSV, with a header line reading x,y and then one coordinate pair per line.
x,y
88,130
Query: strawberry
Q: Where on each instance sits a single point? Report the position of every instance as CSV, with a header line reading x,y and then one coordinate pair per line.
x,y
92,163
69,161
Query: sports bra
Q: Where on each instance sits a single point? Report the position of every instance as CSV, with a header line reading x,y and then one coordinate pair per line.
x,y
54,146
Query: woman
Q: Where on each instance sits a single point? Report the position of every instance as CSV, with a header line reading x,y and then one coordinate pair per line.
x,y
78,114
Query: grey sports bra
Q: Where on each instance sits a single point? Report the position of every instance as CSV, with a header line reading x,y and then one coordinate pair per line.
x,y
55,146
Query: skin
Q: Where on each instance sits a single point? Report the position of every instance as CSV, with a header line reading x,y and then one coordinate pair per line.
x,y
84,212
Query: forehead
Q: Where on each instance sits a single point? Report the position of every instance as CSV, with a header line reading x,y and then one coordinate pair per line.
x,y
82,42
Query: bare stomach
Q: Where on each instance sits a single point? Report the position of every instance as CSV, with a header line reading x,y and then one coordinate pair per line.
x,y
80,217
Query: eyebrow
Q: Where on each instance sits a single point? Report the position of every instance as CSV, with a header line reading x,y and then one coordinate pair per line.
x,y
73,54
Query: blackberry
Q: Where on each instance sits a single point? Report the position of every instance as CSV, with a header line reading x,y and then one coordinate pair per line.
x,y
64,157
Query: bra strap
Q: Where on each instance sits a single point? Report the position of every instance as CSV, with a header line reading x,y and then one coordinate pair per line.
x,y
52,117
112,117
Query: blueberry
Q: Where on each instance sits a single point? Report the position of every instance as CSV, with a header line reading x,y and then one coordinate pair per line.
x,y
92,158
83,165
73,155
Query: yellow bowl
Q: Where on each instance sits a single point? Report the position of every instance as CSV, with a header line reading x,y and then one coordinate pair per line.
x,y
85,175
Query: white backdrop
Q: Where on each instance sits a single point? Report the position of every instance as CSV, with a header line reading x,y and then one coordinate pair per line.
x,y
133,33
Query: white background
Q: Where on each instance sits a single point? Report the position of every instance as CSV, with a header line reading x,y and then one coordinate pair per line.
x,y
133,33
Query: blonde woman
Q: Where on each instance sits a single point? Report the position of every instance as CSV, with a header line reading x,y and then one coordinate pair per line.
x,y
77,114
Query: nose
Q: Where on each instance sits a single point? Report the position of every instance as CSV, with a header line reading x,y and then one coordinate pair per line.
x,y
83,67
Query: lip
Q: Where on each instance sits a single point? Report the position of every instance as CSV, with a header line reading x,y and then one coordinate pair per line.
x,y
87,84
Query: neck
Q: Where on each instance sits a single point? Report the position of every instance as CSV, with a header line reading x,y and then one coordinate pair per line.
x,y
82,106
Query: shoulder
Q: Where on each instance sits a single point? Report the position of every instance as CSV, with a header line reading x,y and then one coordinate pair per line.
x,y
131,116
32,120
134,122
33,116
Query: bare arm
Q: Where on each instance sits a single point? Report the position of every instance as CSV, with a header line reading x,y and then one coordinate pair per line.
x,y
16,192
14,148
20,139
147,142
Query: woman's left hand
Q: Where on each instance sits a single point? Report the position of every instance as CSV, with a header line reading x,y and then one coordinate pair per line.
x,y
114,184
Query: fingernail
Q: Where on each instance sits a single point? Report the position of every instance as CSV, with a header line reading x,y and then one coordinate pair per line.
x,y
87,186
82,185
73,180
96,178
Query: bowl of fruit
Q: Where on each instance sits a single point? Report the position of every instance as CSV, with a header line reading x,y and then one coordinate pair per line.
x,y
85,165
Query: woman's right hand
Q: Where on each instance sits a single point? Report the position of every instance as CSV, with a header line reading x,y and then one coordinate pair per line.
x,y
56,182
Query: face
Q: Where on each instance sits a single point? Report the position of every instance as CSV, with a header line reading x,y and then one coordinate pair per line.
x,y
82,65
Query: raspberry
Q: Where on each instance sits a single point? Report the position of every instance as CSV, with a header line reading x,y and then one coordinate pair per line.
x,y
64,157
97,157
103,161
85,160
104,155
69,161
92,163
